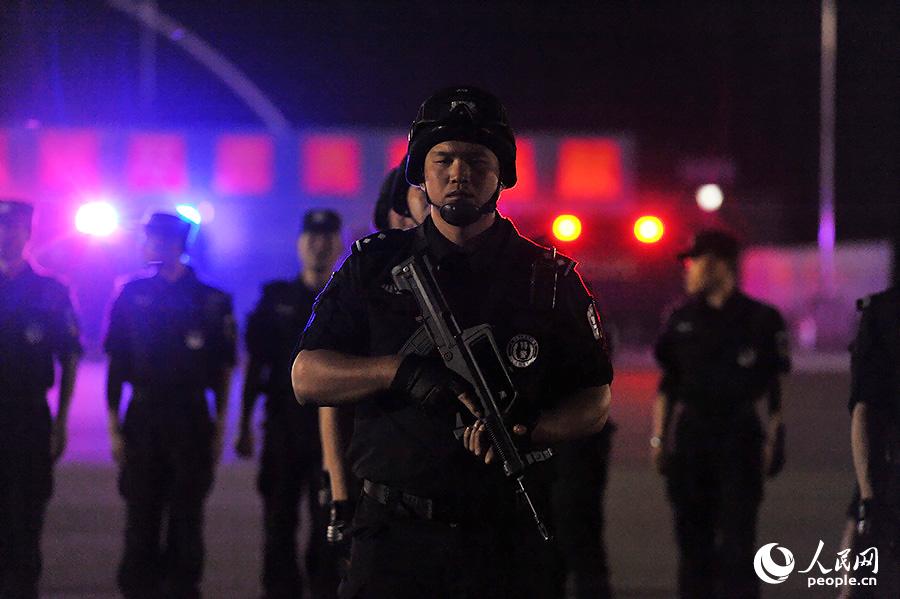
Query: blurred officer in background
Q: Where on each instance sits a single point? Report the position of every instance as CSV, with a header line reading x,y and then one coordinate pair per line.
x,y
400,205
172,338
582,472
875,437
720,353
37,325
291,463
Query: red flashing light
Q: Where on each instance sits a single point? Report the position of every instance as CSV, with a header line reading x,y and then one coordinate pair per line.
x,y
589,169
157,162
244,165
330,165
69,159
567,227
396,151
648,229
526,169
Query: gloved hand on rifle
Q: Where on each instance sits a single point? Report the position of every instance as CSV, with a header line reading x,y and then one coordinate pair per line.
x,y
427,381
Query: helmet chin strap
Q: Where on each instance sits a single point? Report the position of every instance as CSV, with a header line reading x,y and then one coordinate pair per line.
x,y
463,214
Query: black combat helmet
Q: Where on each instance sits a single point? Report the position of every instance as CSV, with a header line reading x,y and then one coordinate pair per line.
x,y
392,195
462,114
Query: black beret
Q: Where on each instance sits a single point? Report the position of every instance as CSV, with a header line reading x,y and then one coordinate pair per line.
x,y
714,242
320,220
168,225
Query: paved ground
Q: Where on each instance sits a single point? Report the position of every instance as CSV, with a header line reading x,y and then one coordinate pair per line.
x,y
83,536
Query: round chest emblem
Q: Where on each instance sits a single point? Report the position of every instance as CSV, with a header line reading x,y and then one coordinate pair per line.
x,y
194,340
746,357
522,350
34,334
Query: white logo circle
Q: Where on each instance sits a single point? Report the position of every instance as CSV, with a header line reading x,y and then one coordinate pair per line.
x,y
522,350
766,568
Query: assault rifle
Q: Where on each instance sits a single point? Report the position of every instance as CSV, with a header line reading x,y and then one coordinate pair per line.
x,y
471,353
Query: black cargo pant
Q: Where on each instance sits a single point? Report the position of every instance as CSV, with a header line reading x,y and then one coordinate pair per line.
x,y
397,556
582,467
715,484
26,482
290,468
166,476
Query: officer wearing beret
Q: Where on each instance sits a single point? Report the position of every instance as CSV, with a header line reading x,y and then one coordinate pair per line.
x,y
292,457
875,436
437,518
172,338
37,327
720,353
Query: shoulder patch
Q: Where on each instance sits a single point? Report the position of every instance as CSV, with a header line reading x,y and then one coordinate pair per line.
x,y
380,240
564,264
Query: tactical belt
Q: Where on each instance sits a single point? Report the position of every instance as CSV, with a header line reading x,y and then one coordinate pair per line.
x,y
405,503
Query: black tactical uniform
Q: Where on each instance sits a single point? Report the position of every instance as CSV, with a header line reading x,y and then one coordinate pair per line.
x,y
434,520
292,454
716,363
875,374
37,324
172,341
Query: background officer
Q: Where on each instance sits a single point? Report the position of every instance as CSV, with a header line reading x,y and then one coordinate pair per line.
x,y
720,353
37,325
292,457
437,518
400,205
875,436
578,496
172,338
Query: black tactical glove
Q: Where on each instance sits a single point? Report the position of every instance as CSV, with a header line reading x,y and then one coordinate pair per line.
x,y
427,381
339,524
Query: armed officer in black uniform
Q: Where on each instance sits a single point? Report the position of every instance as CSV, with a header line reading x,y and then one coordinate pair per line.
x,y
875,437
720,353
172,338
292,457
37,325
437,518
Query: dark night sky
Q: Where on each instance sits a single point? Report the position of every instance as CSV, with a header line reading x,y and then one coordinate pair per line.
x,y
687,79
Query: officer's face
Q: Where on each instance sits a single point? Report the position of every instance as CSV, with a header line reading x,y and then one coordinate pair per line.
x,y
398,221
319,251
459,171
160,249
703,274
13,237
